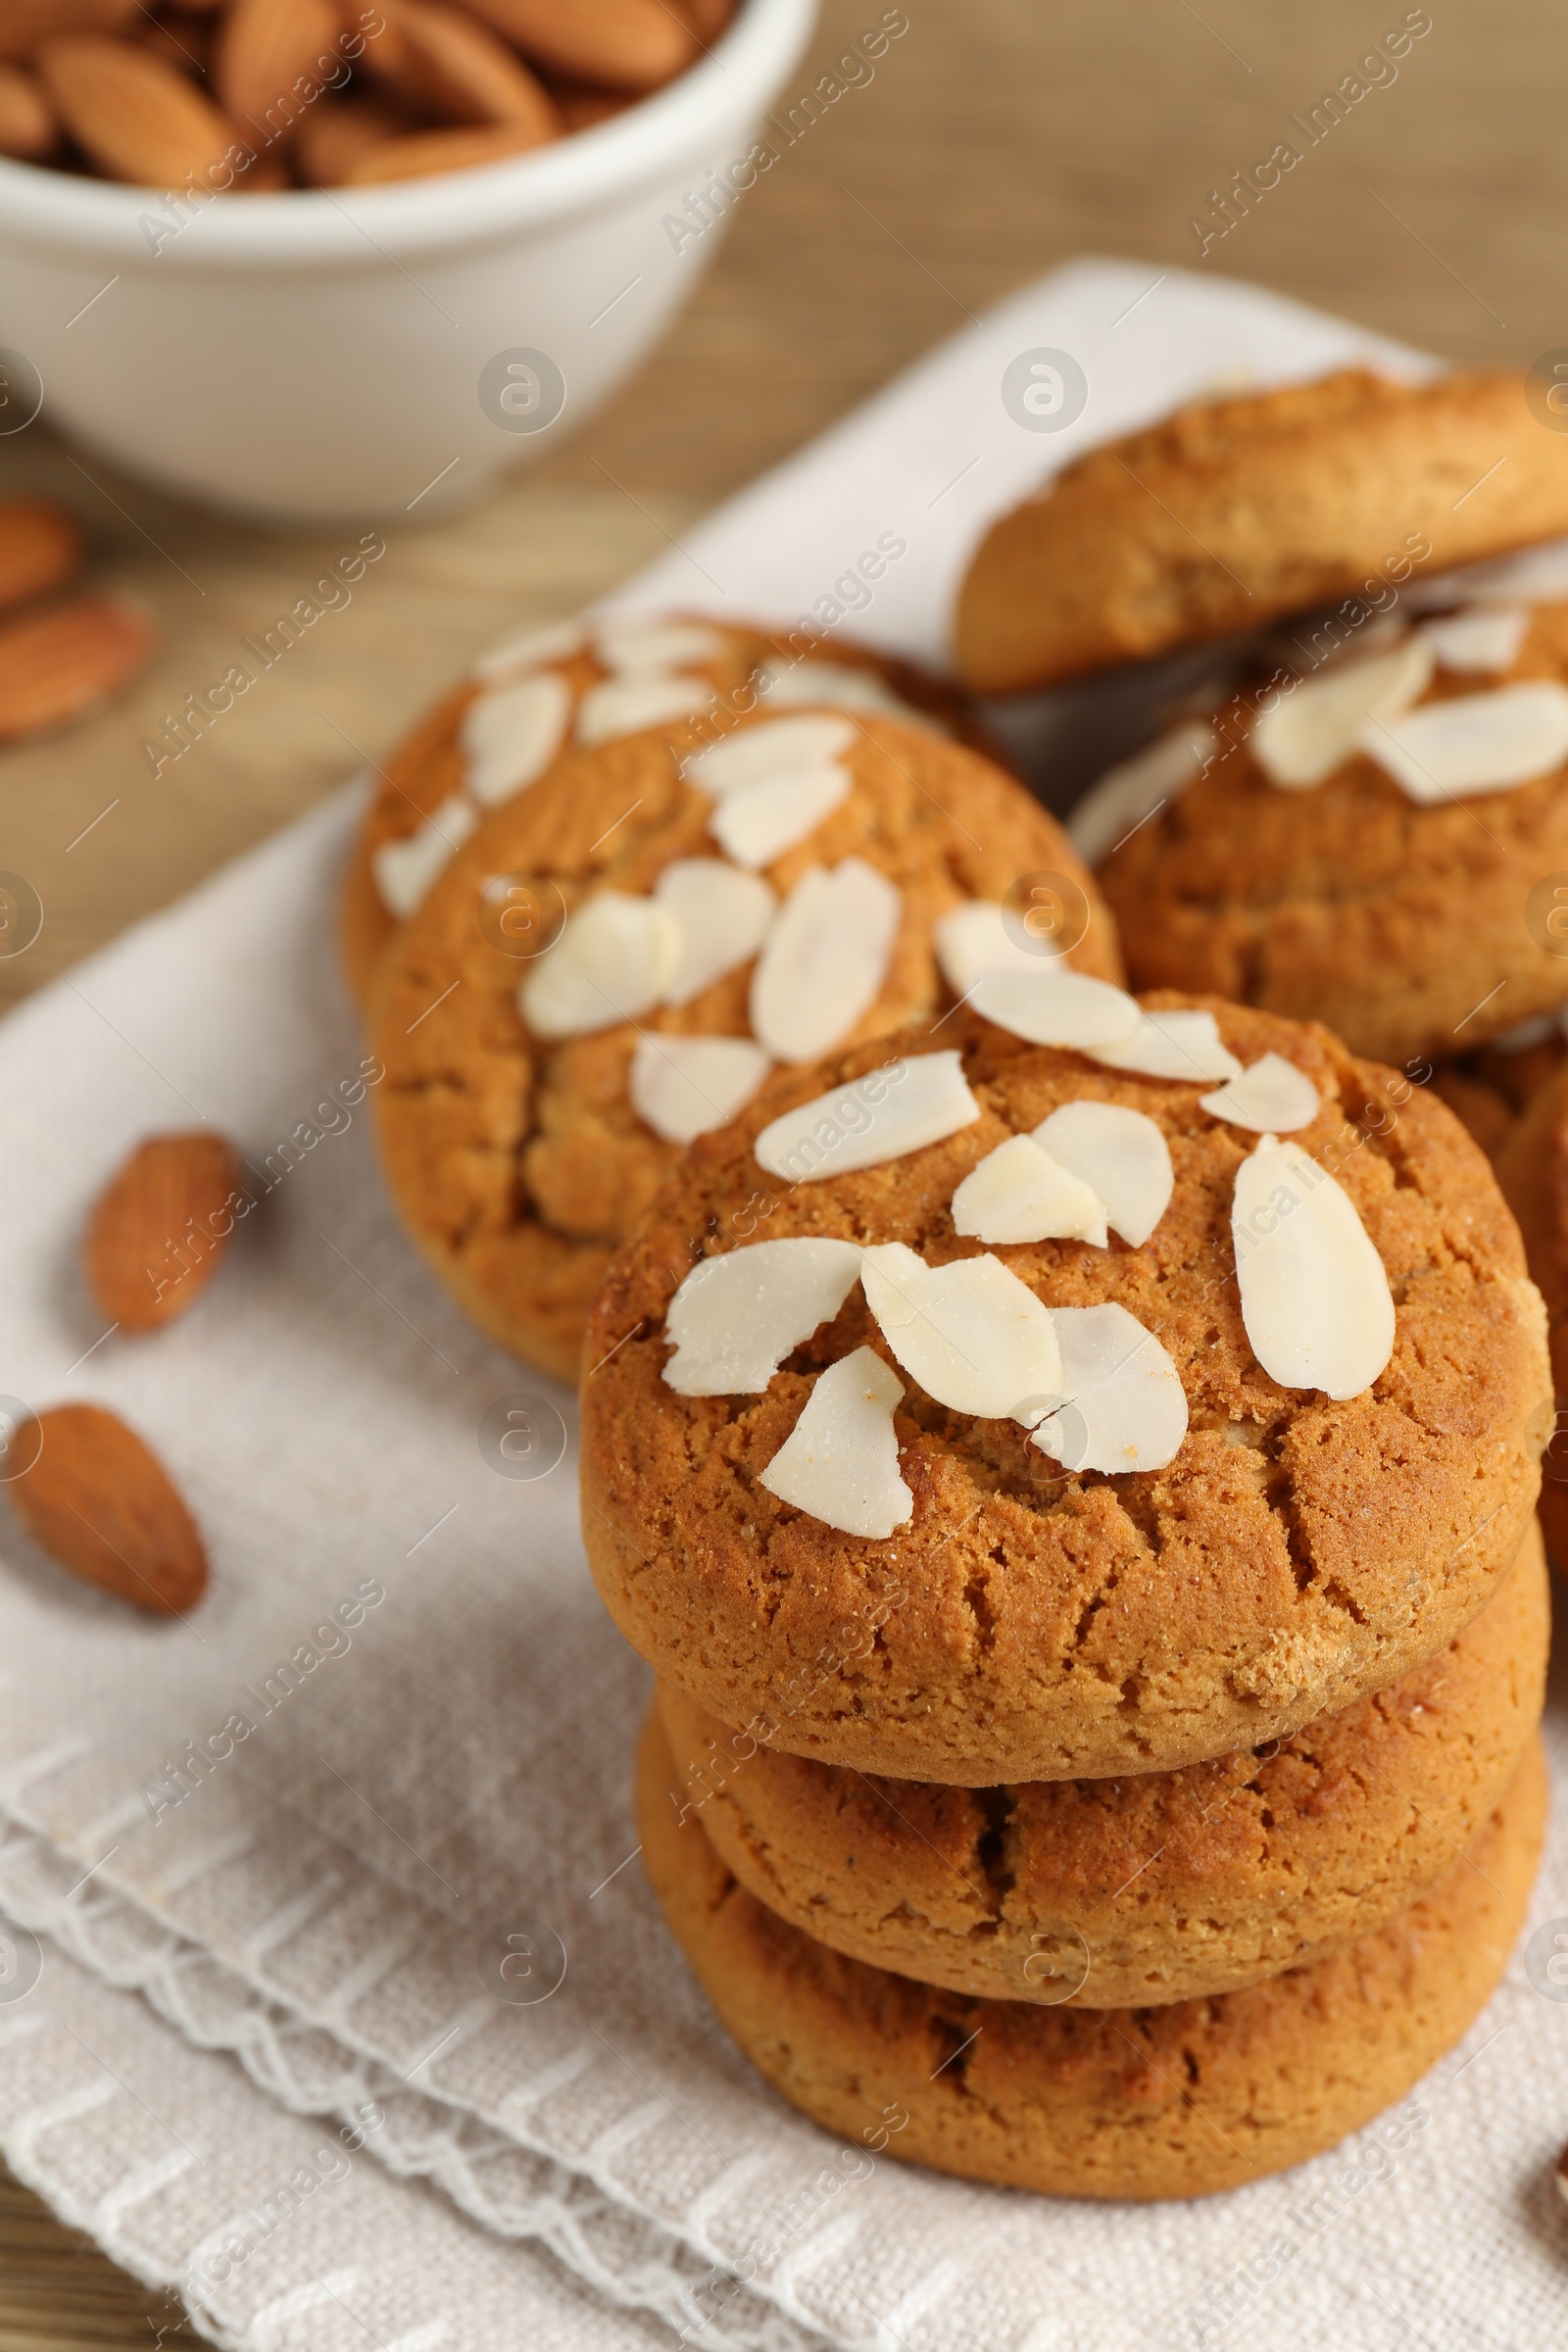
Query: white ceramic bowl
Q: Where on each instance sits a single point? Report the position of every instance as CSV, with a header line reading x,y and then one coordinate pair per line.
x,y
317,355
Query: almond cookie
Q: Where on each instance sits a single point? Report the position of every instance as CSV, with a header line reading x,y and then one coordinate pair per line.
x,y
548,690
1533,1171
1360,844
1162,1887
1233,513
1171,2101
977,1408
708,905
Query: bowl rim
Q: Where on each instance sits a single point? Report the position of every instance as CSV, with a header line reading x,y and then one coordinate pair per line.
x,y
321,227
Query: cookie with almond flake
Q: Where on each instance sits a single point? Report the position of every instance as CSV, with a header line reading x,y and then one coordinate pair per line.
x,y
546,692
1533,1171
1368,847
1247,1431
1235,512
1172,2101
619,955
1160,1887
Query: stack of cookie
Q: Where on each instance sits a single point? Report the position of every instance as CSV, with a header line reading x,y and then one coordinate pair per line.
x,y
1086,1550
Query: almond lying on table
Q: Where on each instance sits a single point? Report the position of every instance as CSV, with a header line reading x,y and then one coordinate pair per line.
x,y
58,665
139,120
152,1248
40,548
28,126
620,44
425,153
103,1507
262,48
447,61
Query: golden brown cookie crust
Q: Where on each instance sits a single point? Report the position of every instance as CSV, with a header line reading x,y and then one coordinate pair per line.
x,y
1533,1171
1029,1625
518,1169
1175,2101
1401,927
1165,1887
428,767
1233,513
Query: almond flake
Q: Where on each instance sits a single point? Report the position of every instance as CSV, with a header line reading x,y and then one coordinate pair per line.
x,y
1271,1096
1121,1155
614,961
511,735
1128,794
1019,1194
723,916
1482,637
761,822
782,747
1317,725
736,1317
840,1464
1314,1296
556,641
647,648
825,961
973,938
405,869
1123,1404
1532,575
785,684
625,706
884,1115
973,1335
687,1086
1474,742
1053,1007
1184,1046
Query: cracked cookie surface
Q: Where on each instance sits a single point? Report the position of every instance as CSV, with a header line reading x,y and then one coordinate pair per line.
x,y
1029,1624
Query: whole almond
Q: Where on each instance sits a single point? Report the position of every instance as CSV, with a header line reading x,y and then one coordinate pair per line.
x,y
58,665
425,153
622,44
337,131
581,108
23,23
453,66
40,544
103,1507
136,118
28,125
263,48
161,1226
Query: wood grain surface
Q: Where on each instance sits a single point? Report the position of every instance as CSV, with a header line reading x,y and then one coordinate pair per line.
x,y
997,137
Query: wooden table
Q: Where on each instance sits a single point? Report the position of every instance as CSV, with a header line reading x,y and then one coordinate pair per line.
x,y
999,136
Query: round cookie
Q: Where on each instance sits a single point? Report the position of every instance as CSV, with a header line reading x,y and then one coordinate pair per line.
x,y
1533,1171
1234,513
1401,924
423,794
518,1164
1165,1887
1030,1623
1175,2101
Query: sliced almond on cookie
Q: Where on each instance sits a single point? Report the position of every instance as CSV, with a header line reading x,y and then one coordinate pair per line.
x,y
1315,726
973,938
781,748
867,1121
1121,1155
825,961
625,706
736,1317
1123,1406
1184,1046
684,1086
1482,637
1019,1194
552,641
723,915
1271,1096
613,961
973,1335
405,869
1315,1298
840,1464
781,684
1053,1007
1128,794
1473,742
653,647
511,735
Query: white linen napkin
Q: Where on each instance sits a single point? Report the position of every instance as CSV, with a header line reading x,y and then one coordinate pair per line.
x,y
440,1719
